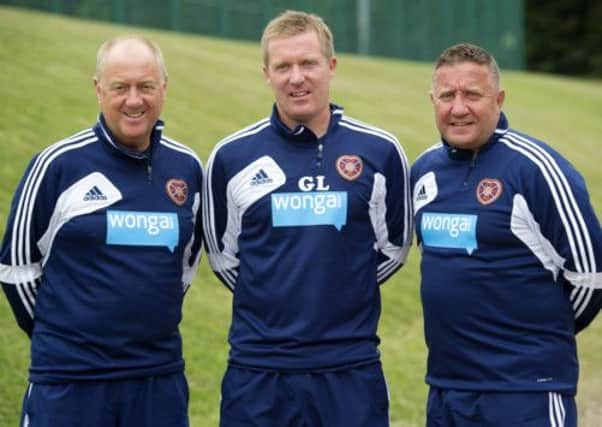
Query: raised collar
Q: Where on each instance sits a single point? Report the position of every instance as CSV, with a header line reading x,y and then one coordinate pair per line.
x,y
462,154
103,133
301,133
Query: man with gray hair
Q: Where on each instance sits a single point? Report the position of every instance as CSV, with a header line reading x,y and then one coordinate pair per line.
x,y
511,259
102,241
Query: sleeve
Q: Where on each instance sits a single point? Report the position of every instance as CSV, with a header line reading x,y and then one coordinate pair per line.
x,y
562,207
20,258
218,217
391,214
194,248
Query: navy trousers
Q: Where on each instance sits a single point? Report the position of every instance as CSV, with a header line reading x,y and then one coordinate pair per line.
x,y
160,401
458,408
355,397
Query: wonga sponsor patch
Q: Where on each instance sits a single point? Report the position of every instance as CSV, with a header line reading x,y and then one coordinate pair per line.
x,y
309,208
442,230
134,228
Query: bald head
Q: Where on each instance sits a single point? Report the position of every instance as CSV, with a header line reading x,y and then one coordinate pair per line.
x,y
125,46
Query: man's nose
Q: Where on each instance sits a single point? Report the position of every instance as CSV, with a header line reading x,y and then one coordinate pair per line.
x,y
459,105
297,76
134,96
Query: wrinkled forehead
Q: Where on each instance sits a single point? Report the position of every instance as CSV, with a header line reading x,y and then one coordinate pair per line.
x,y
462,75
301,46
130,57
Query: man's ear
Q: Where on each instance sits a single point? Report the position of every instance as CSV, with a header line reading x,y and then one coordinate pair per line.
x,y
500,98
97,89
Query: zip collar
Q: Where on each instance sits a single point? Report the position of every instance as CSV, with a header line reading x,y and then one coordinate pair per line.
x,y
464,154
301,133
103,133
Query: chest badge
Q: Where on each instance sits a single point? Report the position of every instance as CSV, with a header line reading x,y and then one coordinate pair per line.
x,y
489,190
177,190
349,166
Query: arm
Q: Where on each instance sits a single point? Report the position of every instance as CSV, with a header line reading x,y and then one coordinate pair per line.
x,y
221,245
194,248
20,259
21,298
571,232
583,268
391,213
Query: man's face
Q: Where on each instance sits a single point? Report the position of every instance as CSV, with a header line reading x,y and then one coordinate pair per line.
x,y
300,75
131,93
467,104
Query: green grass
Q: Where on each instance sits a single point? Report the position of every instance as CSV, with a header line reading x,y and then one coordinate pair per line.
x,y
216,87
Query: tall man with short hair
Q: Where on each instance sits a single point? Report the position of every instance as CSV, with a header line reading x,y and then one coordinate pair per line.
x,y
307,212
102,241
511,259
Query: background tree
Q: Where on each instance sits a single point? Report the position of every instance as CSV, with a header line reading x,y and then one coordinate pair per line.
x,y
564,36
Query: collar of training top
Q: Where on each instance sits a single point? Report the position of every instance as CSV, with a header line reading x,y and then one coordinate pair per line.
x,y
301,133
104,134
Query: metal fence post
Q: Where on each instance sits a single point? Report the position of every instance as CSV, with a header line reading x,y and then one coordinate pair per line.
x,y
363,8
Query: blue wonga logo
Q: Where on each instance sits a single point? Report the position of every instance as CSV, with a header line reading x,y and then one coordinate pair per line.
x,y
458,231
134,228
309,208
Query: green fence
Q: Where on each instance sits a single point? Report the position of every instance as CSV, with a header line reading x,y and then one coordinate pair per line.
x,y
408,29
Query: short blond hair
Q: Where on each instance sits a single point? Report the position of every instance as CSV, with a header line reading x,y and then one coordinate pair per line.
x,y
105,48
291,23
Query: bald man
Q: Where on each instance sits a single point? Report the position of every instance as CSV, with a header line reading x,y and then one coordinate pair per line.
x,y
102,241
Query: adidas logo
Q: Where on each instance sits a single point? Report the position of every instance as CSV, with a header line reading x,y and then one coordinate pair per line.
x,y
94,194
261,178
421,194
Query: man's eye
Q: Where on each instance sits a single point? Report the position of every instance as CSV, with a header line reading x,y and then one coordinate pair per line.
x,y
119,88
147,88
473,96
446,97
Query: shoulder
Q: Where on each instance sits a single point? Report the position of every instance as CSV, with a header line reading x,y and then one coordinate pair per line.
x,y
534,154
377,138
179,149
427,161
76,141
62,151
427,156
430,152
366,129
52,169
230,144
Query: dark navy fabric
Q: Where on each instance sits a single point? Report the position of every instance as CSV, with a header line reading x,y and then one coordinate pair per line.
x,y
303,230
99,248
511,264
460,408
351,398
160,401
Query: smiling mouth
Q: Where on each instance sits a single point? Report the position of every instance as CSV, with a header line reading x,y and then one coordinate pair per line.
x,y
135,115
299,94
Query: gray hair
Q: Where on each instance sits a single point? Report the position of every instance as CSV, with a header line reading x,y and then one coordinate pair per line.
x,y
106,47
466,52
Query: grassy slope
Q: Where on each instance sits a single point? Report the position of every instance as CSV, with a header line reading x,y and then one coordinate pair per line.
x,y
216,87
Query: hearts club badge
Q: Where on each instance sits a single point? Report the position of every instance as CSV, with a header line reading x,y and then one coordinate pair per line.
x,y
350,166
177,190
489,190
